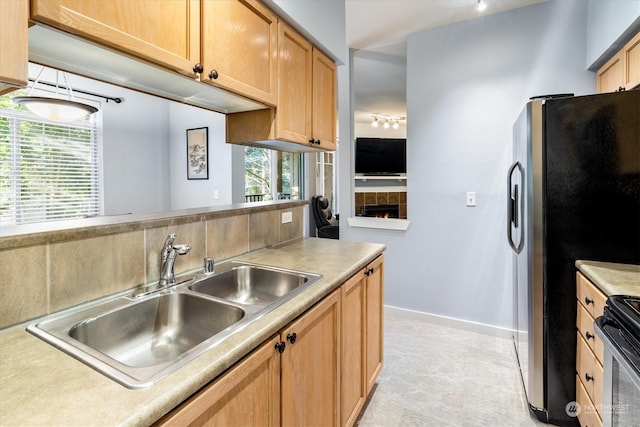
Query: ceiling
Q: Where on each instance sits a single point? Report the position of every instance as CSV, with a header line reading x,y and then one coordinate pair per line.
x,y
377,31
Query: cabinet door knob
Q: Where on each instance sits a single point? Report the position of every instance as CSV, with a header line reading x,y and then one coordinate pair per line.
x,y
213,74
292,337
280,346
621,89
588,300
198,68
318,141
311,141
588,377
589,335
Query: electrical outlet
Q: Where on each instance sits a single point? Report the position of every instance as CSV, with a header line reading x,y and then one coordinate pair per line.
x,y
216,195
471,198
287,217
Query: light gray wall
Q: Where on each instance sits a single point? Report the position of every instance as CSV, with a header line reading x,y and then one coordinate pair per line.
x,y
185,193
466,85
607,21
135,145
144,153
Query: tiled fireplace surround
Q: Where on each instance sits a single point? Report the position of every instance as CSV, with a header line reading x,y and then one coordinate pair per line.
x,y
371,198
48,271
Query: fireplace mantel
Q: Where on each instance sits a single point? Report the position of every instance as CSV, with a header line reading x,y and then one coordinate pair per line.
x,y
380,223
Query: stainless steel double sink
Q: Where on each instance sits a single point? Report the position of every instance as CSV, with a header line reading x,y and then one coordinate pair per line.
x,y
137,340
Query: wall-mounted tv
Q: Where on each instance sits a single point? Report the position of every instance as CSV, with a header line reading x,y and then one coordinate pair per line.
x,y
381,156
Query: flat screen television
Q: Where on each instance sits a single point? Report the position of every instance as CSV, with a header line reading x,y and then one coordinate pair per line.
x,y
381,156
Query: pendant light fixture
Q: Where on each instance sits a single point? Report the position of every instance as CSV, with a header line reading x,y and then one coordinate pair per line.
x,y
55,109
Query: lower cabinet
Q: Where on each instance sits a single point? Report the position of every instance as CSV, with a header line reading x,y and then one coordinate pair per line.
x,y
310,374
374,274
589,353
317,371
248,394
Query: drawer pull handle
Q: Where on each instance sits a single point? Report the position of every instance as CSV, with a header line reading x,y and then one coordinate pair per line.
x,y
588,377
589,335
588,300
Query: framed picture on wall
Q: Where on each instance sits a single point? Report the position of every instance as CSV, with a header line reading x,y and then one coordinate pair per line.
x,y
198,153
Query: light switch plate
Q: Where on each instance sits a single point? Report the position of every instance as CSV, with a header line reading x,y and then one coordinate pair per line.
x,y
471,198
287,217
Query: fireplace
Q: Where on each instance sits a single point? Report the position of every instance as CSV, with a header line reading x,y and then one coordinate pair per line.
x,y
381,211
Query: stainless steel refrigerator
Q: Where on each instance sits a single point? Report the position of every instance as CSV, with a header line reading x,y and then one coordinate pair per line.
x,y
573,193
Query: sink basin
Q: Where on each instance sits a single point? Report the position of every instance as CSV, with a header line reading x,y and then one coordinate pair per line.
x,y
157,330
251,284
137,342
137,338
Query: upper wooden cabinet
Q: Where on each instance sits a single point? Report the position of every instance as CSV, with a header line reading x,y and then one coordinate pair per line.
x,y
295,62
239,47
163,32
622,71
14,15
305,113
324,101
306,110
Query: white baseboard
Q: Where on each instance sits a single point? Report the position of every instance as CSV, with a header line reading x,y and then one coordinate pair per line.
x,y
464,325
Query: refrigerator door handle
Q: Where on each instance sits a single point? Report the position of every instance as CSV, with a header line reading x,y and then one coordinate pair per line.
x,y
514,208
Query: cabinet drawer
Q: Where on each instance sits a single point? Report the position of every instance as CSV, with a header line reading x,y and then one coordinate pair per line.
x,y
590,296
585,327
587,415
590,372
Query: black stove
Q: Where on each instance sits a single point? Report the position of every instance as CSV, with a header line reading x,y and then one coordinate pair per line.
x,y
621,324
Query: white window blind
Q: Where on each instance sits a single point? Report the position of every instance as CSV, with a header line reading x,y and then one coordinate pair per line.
x,y
48,171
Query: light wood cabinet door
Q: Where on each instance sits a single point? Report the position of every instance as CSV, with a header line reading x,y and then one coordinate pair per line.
x,y
610,75
622,71
324,101
163,32
246,395
631,60
310,366
352,372
592,299
14,16
587,416
293,112
374,320
239,47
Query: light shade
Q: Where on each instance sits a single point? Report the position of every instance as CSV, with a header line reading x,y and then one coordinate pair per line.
x,y
58,110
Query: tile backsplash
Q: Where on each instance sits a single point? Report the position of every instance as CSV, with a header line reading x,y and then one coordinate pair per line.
x,y
50,276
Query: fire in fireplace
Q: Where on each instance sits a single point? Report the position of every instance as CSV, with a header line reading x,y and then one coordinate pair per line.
x,y
381,211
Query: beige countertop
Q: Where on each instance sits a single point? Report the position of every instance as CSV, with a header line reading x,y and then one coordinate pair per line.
x,y
40,385
612,278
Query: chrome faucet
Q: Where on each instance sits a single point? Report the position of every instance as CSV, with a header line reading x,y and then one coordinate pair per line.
x,y
169,253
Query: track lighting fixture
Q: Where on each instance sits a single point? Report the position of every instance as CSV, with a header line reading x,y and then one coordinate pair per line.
x,y
389,121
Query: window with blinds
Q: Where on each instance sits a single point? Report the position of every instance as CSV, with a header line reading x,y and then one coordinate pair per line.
x,y
48,171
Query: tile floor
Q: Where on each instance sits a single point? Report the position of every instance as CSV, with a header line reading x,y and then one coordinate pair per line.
x,y
435,375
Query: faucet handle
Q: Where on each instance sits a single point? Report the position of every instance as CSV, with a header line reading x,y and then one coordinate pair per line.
x,y
182,249
208,265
